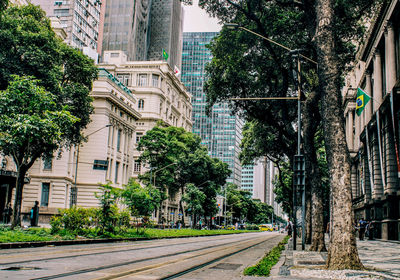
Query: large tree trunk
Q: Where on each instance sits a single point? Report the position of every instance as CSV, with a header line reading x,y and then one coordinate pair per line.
x,y
21,172
312,119
342,252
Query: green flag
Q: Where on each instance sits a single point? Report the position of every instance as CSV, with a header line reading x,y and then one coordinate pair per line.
x,y
361,101
165,54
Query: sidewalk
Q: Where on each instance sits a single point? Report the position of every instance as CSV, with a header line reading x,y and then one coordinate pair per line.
x,y
381,258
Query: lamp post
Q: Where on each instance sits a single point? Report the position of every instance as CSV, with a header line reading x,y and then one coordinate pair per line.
x,y
77,159
298,98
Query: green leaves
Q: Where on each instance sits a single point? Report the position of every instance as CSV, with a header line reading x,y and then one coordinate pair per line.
x,y
32,122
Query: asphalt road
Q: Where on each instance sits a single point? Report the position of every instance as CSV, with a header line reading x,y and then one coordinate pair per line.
x,y
214,257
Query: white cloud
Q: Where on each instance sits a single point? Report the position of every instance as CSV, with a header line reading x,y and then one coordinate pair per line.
x,y
197,20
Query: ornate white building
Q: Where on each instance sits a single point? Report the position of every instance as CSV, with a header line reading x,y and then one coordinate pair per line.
x,y
373,137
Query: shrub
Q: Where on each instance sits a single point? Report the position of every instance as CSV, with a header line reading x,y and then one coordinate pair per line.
x,y
263,268
74,220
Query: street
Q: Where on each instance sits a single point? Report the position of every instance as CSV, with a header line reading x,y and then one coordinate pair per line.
x,y
155,259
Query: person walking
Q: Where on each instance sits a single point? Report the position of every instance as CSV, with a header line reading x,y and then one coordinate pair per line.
x,y
35,214
361,229
7,213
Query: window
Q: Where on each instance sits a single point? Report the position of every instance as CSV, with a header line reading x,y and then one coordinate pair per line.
x,y
142,82
116,172
139,136
100,164
124,78
119,140
137,167
47,163
141,104
73,196
154,80
114,55
45,194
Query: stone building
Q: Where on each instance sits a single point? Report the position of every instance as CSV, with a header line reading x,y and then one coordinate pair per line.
x,y
161,96
373,137
72,176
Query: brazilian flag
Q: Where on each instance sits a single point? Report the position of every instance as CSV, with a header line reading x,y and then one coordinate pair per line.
x,y
361,101
165,54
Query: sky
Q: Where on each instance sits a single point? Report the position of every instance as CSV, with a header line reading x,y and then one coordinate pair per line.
x,y
197,20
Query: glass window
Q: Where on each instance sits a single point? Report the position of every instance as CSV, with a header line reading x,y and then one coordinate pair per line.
x,y
47,163
154,80
137,167
139,136
73,197
141,104
142,82
45,194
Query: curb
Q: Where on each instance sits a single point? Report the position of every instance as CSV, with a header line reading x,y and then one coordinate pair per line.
x,y
15,245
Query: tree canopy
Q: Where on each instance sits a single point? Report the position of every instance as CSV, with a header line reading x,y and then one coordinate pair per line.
x,y
45,88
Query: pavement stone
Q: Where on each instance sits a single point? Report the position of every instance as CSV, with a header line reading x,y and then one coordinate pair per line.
x,y
381,258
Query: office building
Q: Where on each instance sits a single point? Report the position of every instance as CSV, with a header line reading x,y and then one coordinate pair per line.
x,y
144,28
373,136
221,132
80,19
126,28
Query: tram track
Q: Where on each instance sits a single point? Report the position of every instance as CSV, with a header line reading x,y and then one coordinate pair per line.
x,y
160,261
115,249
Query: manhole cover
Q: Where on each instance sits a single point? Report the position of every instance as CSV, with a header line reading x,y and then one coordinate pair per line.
x,y
226,266
21,268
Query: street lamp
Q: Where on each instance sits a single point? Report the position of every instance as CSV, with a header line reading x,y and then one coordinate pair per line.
x,y
298,98
77,160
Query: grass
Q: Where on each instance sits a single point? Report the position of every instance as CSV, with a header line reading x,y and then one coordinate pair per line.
x,y
263,268
41,234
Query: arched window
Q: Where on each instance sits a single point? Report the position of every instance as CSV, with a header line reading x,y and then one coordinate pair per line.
x,y
141,104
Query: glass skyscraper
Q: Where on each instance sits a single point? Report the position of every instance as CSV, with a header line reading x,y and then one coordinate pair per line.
x,y
221,132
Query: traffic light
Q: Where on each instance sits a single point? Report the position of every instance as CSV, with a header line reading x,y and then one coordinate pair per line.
x,y
299,172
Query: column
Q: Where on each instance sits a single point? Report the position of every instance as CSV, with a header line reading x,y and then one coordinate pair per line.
x,y
350,137
376,167
357,133
388,150
377,90
390,63
368,90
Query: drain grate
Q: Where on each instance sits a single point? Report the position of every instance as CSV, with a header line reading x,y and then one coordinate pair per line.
x,y
16,268
226,266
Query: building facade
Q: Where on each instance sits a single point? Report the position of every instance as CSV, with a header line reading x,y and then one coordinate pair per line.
x,y
126,27
144,28
221,132
161,97
80,19
373,137
72,176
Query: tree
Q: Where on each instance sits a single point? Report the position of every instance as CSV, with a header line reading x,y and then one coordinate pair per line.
x,y
141,201
29,47
108,202
194,199
32,124
3,5
328,27
244,66
177,158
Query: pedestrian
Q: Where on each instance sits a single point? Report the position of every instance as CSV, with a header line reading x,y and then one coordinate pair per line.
x,y
361,229
35,214
7,213
289,227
